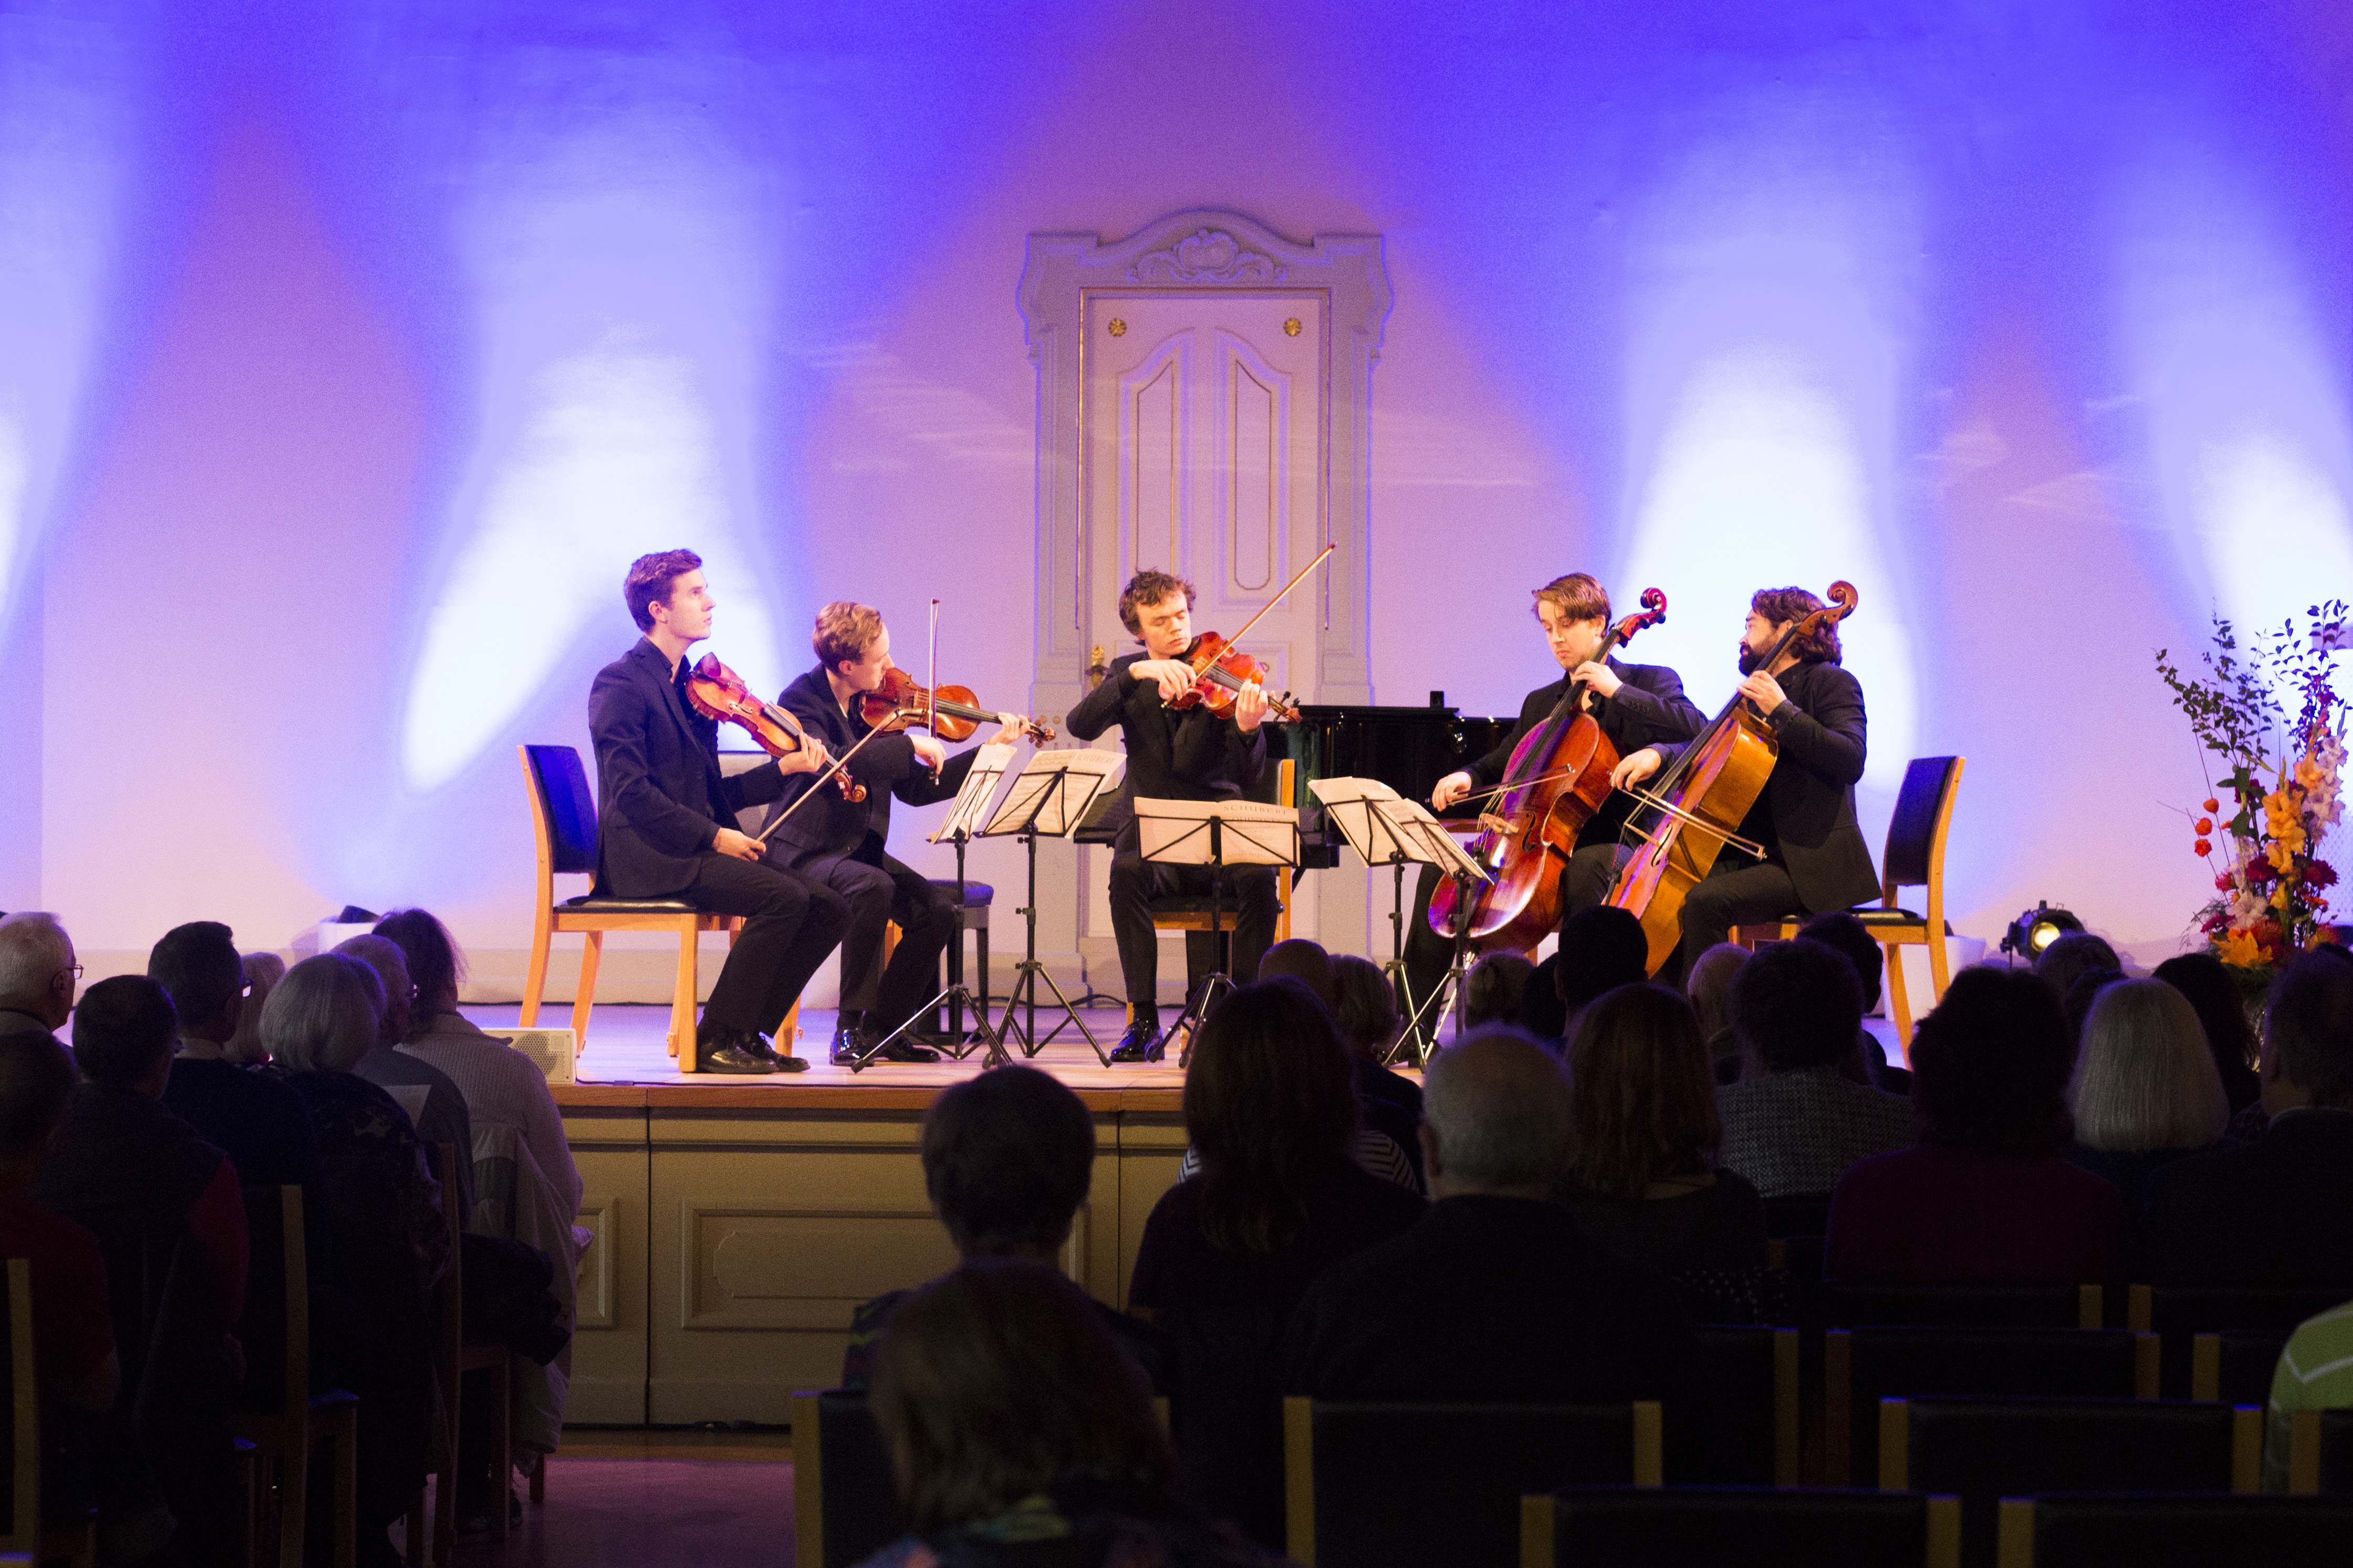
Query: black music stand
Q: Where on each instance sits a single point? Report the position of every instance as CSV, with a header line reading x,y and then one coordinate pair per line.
x,y
1049,796
971,801
1216,834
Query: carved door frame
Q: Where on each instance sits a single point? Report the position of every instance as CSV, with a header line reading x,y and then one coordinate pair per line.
x,y
1201,250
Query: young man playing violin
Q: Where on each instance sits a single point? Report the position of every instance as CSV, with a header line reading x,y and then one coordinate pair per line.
x,y
1636,705
666,821
1815,857
838,843
1172,754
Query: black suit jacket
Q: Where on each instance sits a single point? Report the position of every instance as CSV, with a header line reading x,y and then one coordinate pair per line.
x,y
1191,755
2278,1211
888,766
1823,733
659,793
1650,710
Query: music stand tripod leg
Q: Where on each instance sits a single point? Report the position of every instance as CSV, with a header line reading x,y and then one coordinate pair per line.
x,y
1024,994
1409,1037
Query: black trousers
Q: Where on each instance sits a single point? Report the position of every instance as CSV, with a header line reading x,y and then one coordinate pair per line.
x,y
878,890
791,923
1736,891
1251,904
1584,881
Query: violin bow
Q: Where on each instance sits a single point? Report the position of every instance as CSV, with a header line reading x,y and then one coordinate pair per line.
x,y
1297,578
816,784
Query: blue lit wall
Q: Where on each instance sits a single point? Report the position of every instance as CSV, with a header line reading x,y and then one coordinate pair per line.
x,y
347,354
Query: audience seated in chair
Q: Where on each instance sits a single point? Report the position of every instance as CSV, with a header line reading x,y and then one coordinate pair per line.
x,y
36,973
263,970
435,1106
2314,1373
1492,989
2071,956
73,1325
1008,1158
1642,1182
1495,1294
2082,993
1364,1009
1985,1197
1796,1126
169,1215
2221,1010
2274,1212
1600,950
1709,987
2145,1092
390,1242
1390,1102
1272,1108
1837,928
1020,1433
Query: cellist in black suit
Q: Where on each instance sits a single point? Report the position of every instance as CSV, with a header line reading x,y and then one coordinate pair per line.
x,y
1815,857
1637,705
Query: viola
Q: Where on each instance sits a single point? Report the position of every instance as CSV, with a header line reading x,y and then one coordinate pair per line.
x,y
1558,777
1694,810
717,692
950,713
1221,670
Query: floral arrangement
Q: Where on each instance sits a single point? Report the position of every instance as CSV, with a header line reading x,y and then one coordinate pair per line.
x,y
2282,778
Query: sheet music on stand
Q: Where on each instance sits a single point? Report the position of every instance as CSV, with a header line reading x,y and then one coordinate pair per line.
x,y
1053,793
1384,827
988,765
1252,833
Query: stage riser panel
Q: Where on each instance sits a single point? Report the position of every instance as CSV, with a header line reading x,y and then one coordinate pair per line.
x,y
609,1344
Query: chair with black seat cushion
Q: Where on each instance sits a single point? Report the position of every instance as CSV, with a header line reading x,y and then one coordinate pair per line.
x,y
563,820
278,1421
454,1356
28,1537
2234,1365
1348,1502
1747,1413
1913,857
2320,1451
1861,1366
1193,914
2178,1314
1755,1526
1966,1306
2099,1530
845,1502
1983,1450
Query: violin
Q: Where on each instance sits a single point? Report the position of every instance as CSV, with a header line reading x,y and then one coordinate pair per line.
x,y
717,692
1558,777
950,713
1694,809
1221,670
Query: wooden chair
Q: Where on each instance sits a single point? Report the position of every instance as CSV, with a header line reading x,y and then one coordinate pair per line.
x,y
1348,1500
1191,913
1966,1306
1755,1526
2320,1451
287,1435
845,1504
29,1537
1913,857
454,1356
563,820
1749,1407
2100,1530
2189,1321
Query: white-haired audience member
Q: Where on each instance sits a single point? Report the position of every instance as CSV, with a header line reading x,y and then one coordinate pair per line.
x,y
2145,1090
37,974
435,1105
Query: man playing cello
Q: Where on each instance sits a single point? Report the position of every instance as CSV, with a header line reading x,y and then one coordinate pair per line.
x,y
1636,705
1815,857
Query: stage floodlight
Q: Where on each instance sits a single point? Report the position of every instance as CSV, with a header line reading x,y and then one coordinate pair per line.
x,y
2037,929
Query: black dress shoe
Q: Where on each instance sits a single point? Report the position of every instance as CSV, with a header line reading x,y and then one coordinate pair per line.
x,y
1142,1042
906,1050
852,1040
728,1055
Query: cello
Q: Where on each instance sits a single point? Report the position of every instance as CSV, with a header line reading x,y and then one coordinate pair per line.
x,y
1557,778
1696,806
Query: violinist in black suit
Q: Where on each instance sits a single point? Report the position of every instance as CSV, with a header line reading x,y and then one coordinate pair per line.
x,y
838,843
666,816
1815,857
1637,705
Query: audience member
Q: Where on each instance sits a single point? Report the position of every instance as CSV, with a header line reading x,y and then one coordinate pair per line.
x,y
2221,1010
1985,1197
1840,929
1709,987
1021,1434
73,1324
1008,1159
390,1241
1492,989
497,1082
1602,949
163,1203
2082,992
1642,1181
1370,1022
1391,1103
436,1108
1495,1294
258,1122
1794,1129
2078,953
1226,1255
2274,1212
37,974
2314,1373
2145,1092
1306,961
263,970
